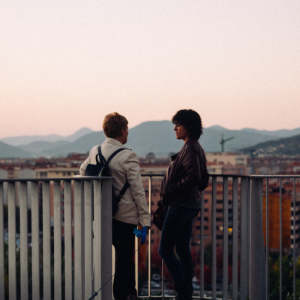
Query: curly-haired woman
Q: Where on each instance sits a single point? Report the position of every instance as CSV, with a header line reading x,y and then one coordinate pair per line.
x,y
180,190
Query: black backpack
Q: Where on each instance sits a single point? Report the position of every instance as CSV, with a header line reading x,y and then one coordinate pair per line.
x,y
101,169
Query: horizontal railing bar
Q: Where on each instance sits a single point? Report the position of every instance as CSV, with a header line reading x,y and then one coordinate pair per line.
x,y
77,178
143,175
274,176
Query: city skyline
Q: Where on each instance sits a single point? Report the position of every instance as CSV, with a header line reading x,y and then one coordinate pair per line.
x,y
66,65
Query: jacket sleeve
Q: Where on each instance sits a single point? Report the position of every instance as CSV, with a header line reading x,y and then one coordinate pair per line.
x,y
84,165
136,186
192,177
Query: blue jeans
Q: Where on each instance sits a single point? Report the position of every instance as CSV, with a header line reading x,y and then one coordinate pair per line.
x,y
176,232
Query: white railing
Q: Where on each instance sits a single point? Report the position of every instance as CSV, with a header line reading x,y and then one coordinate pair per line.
x,y
76,262
249,245
87,247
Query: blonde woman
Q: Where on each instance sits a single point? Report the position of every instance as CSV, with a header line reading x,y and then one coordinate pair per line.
x,y
132,209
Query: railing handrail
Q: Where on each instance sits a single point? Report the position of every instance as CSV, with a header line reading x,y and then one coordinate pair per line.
x,y
233,175
57,179
78,177
274,176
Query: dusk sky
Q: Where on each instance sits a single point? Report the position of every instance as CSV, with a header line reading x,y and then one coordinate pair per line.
x,y
65,64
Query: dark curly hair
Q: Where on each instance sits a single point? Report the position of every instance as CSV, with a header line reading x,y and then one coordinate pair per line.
x,y
191,120
113,125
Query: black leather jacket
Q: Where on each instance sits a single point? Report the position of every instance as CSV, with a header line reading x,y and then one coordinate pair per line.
x,y
181,182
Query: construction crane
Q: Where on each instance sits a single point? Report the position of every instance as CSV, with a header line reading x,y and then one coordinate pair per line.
x,y
222,142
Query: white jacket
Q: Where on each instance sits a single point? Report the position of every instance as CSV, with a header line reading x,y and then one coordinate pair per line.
x,y
133,208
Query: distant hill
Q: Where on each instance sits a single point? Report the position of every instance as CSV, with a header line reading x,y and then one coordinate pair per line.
x,y
285,146
153,136
63,148
8,151
42,148
78,134
81,145
212,136
25,140
283,133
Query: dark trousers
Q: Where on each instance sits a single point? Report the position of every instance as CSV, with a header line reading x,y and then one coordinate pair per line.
x,y
123,241
176,232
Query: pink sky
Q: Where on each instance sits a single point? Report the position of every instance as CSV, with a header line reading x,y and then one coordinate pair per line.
x,y
66,64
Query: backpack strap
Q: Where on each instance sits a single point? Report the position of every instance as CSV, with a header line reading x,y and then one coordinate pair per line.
x,y
123,190
127,184
113,155
99,155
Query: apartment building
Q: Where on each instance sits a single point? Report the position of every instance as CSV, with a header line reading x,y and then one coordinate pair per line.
x,y
234,159
56,172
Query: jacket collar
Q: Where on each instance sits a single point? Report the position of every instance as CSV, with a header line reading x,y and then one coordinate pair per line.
x,y
173,157
113,142
192,141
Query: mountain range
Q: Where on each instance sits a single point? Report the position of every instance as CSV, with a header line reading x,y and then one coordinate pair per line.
x,y
284,146
157,137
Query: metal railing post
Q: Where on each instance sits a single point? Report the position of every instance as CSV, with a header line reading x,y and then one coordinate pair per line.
x,y
78,241
244,275
2,276
149,244
88,242
103,239
235,238
57,241
257,248
23,202
35,241
68,239
106,240
214,237
202,247
294,239
46,242
12,266
225,237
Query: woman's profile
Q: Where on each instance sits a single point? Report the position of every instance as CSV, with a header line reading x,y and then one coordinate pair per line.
x,y
180,191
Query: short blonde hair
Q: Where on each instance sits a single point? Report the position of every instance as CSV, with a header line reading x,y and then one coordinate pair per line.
x,y
113,124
